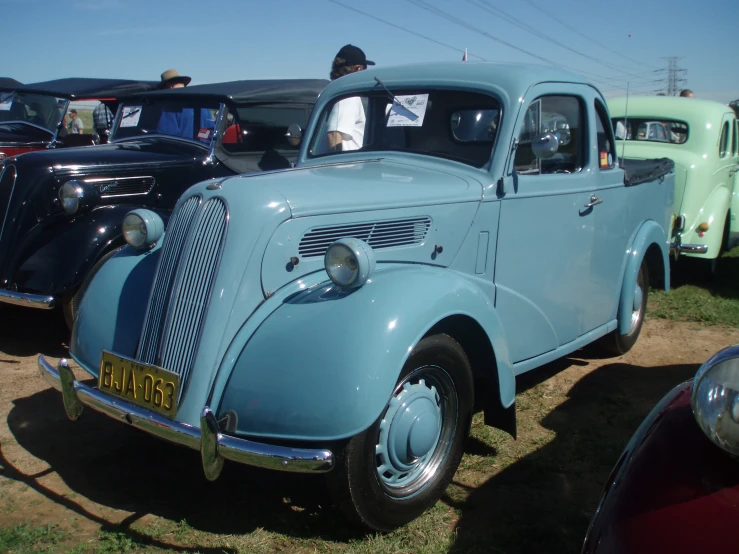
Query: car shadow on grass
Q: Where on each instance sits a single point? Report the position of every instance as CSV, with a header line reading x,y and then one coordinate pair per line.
x,y
543,502
125,469
27,331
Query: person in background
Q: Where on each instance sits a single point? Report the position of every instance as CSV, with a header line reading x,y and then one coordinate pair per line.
x,y
345,130
687,93
179,121
75,123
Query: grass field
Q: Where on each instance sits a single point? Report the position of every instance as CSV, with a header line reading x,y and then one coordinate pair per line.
x,y
695,298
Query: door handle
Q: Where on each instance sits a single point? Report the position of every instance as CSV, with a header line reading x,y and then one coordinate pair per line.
x,y
594,201
733,170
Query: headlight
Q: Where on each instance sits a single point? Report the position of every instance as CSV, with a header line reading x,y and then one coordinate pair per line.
x,y
349,262
76,194
715,399
142,228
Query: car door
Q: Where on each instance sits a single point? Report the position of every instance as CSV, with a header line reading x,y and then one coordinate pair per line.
x,y
545,233
617,215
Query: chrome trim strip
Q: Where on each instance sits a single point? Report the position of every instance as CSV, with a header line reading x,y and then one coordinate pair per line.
x,y
40,301
211,158
213,445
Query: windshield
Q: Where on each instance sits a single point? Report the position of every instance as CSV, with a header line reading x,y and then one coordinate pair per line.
x,y
35,109
189,119
651,130
452,124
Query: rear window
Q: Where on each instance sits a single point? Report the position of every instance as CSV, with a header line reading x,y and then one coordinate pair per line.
x,y
456,125
651,130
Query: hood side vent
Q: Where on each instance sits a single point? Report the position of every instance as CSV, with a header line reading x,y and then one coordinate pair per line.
x,y
122,186
378,234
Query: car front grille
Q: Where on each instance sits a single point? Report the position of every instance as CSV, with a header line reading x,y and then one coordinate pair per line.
x,y
182,285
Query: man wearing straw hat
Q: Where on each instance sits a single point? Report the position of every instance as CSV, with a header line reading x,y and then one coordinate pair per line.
x,y
178,122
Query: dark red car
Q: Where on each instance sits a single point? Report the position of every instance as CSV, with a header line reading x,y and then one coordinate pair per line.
x,y
675,488
37,115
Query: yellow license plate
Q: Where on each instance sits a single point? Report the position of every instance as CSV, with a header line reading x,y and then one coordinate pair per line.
x,y
149,386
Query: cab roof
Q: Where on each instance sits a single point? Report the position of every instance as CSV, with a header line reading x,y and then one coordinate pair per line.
x,y
691,110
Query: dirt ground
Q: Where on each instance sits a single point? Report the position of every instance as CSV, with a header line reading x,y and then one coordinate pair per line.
x,y
99,474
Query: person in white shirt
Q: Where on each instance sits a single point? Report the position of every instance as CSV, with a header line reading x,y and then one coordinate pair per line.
x,y
345,129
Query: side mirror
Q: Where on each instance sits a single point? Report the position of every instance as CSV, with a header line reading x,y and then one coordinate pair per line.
x,y
544,145
294,134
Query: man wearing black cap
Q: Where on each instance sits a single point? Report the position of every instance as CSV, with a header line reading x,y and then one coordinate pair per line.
x,y
75,123
347,119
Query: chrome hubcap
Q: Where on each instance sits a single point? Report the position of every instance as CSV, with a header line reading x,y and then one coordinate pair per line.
x,y
416,431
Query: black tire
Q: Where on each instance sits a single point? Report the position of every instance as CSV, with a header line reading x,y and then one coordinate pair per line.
x,y
618,344
369,484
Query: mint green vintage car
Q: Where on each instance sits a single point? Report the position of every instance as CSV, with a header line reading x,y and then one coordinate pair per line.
x,y
702,138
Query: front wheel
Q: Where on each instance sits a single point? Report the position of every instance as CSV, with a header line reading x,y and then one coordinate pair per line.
x,y
391,473
618,344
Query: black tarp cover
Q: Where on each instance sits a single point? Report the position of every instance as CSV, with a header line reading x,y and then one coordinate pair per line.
x,y
256,91
80,88
6,83
640,171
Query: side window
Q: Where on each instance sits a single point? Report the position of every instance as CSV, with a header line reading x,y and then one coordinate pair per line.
x,y
735,139
723,148
561,117
606,144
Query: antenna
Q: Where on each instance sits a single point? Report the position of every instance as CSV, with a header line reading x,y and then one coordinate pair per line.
x,y
626,121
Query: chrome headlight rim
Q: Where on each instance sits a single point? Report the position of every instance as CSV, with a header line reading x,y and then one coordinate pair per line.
x,y
142,229
709,408
349,262
75,195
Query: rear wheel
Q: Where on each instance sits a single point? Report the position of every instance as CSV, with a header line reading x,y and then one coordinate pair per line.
x,y
391,473
618,344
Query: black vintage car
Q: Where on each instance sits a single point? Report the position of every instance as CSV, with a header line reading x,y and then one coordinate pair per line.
x,y
61,211
35,116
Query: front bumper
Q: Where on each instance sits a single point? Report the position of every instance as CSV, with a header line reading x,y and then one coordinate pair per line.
x,y
214,447
40,301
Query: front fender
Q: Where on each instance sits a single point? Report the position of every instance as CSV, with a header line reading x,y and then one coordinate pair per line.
x,y
56,260
323,365
111,313
650,233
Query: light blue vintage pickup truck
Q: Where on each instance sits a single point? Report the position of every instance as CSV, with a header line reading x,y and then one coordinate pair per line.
x,y
348,315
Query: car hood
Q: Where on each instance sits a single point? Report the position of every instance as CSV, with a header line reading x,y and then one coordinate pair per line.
x,y
367,185
139,152
18,134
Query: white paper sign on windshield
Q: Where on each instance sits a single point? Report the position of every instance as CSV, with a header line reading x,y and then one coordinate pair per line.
x,y
5,106
130,116
410,112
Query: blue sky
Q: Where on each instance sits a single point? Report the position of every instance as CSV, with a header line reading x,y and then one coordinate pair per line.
x,y
222,40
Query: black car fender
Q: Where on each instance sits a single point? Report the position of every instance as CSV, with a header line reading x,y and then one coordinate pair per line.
x,y
57,260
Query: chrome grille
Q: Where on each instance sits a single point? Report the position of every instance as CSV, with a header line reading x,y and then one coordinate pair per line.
x,y
379,234
177,230
122,186
196,272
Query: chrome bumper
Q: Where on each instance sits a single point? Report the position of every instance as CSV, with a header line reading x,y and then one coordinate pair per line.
x,y
678,247
41,301
213,446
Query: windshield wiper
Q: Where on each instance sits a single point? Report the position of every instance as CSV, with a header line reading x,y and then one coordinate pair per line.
x,y
406,112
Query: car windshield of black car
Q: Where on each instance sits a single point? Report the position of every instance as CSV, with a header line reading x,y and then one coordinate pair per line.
x,y
35,109
186,119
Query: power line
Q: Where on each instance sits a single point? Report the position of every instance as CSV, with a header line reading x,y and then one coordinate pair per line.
x,y
487,6
574,30
459,50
